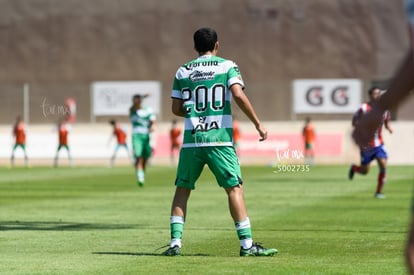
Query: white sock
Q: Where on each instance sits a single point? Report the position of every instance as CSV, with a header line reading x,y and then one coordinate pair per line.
x,y
175,242
140,175
246,243
247,240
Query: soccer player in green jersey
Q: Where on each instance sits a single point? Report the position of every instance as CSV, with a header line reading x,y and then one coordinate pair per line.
x,y
202,93
142,120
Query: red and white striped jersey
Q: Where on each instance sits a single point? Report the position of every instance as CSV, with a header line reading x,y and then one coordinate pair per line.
x,y
377,140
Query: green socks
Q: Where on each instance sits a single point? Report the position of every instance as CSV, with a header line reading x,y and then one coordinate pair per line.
x,y
176,227
244,232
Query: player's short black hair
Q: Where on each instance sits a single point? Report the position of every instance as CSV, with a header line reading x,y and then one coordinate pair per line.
x,y
137,96
204,40
112,122
372,89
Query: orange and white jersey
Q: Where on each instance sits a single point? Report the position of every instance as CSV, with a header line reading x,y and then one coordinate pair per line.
x,y
377,140
19,132
120,134
175,134
63,133
308,133
236,132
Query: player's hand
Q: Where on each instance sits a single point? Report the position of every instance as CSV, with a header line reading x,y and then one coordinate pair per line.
x,y
367,125
262,132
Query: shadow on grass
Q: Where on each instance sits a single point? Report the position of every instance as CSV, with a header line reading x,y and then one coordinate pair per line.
x,y
145,254
61,226
334,230
69,226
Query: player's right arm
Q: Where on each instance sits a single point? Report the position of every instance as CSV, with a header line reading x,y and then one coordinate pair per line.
x,y
177,104
387,118
177,107
356,117
400,87
244,103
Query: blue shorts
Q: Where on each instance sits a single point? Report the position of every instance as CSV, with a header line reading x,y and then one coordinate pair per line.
x,y
374,153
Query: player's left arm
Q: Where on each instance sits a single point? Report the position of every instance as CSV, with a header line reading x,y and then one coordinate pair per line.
x,y
152,125
387,122
244,103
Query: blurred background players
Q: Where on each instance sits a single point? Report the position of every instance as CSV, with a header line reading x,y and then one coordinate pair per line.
x,y
308,134
19,133
63,128
374,149
142,120
175,135
120,134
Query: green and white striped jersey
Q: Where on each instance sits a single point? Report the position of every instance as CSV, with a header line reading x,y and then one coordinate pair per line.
x,y
204,86
140,120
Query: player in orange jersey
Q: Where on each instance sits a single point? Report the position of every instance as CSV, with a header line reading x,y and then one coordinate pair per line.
x,y
63,132
19,133
236,134
175,134
308,134
120,134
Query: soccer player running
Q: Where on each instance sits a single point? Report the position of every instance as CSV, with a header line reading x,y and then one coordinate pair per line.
x,y
19,133
202,93
63,132
142,120
308,133
120,135
400,88
374,149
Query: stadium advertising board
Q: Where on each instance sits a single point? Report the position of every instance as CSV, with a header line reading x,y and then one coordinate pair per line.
x,y
115,97
326,95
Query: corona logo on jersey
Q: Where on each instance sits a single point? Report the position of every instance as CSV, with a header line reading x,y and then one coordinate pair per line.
x,y
326,95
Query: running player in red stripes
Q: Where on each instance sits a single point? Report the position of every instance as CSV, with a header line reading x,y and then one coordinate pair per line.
x,y
400,88
374,149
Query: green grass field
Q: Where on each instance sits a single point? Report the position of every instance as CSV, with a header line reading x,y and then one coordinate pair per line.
x,y
97,220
